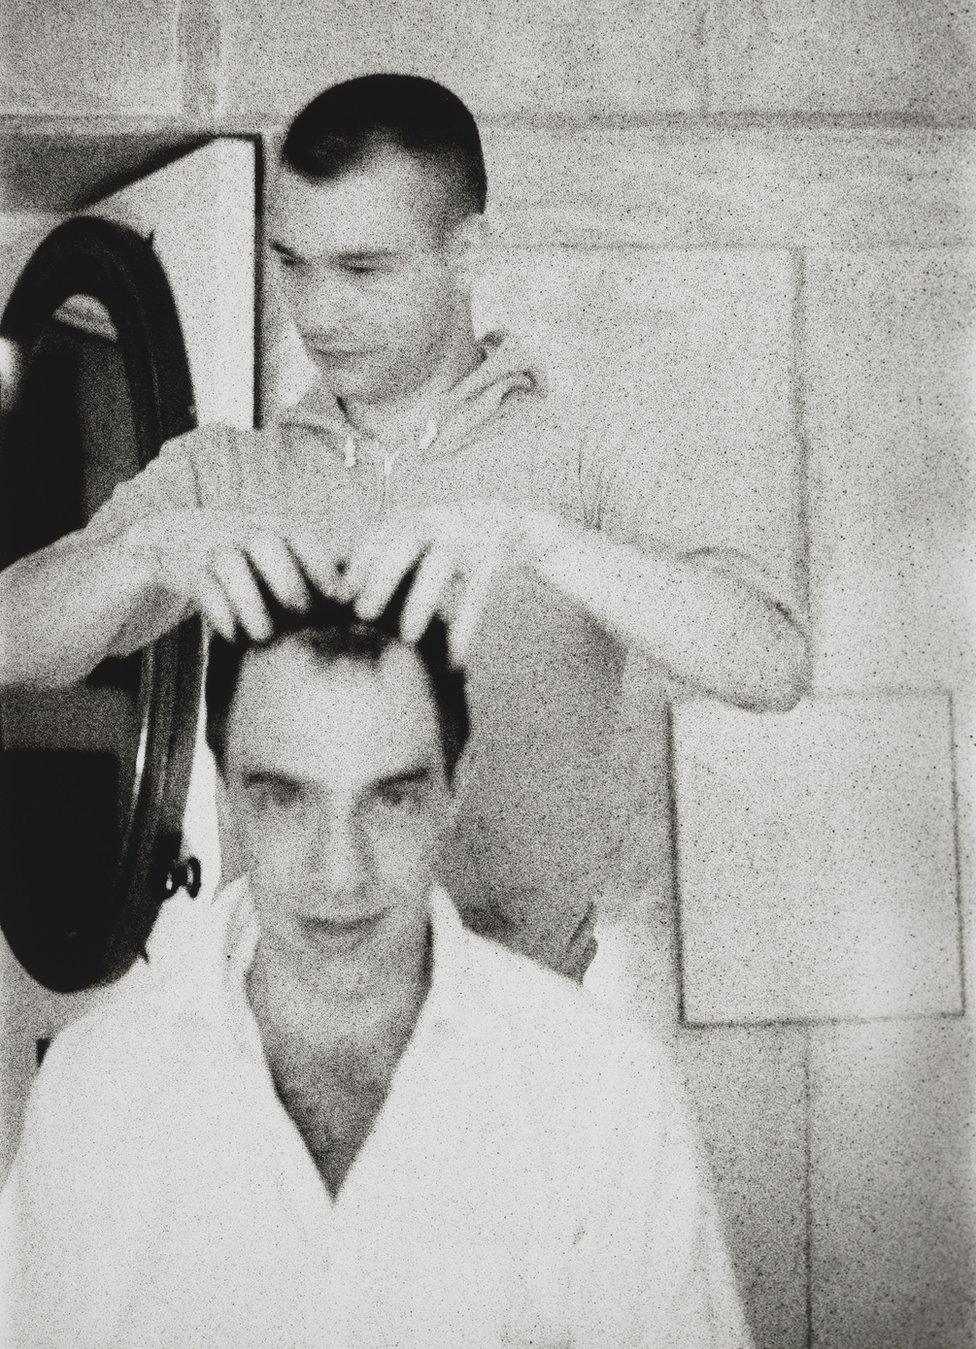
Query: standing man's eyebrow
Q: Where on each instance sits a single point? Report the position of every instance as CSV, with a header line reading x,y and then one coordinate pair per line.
x,y
367,255
344,259
277,246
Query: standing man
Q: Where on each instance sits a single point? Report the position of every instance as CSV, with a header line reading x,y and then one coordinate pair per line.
x,y
558,557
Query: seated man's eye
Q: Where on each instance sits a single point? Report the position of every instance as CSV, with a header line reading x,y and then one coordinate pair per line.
x,y
270,794
395,796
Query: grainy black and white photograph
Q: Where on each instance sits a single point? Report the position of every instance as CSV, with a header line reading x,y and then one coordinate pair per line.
x,y
487,652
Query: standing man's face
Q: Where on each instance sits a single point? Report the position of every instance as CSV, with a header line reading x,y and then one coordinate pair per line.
x,y
338,793
371,270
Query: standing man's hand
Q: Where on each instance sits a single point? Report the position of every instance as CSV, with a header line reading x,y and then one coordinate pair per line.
x,y
458,551
221,561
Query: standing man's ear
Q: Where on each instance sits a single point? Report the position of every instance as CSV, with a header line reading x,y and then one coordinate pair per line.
x,y
467,247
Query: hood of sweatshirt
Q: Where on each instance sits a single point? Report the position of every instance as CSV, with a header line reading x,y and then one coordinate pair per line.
x,y
504,373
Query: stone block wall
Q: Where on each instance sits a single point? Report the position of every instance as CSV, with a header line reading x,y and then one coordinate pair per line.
x,y
793,184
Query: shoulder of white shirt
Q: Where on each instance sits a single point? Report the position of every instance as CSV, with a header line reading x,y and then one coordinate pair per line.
x,y
483,990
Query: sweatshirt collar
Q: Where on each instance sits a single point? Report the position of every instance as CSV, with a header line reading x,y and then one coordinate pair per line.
x,y
503,370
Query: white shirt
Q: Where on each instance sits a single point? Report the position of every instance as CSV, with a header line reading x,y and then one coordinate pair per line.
x,y
530,1178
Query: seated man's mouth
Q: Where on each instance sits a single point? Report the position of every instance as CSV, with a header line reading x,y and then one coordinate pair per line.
x,y
357,925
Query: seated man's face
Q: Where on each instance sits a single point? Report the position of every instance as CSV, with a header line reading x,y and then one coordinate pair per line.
x,y
338,793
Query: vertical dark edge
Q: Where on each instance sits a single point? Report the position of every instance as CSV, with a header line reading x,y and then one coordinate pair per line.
x,y
798,413
808,1182
957,852
703,29
199,34
679,945
260,187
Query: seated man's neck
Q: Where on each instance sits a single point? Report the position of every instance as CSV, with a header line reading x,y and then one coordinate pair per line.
x,y
409,413
333,1033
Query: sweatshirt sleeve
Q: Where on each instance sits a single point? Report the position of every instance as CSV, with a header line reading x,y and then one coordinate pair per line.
x,y
170,482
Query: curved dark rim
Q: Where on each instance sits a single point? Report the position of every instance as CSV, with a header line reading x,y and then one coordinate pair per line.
x,y
118,267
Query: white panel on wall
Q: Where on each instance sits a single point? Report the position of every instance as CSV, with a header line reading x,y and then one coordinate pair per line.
x,y
893,1185
816,858
200,211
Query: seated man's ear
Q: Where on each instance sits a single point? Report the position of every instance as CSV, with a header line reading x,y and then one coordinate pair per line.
x,y
232,863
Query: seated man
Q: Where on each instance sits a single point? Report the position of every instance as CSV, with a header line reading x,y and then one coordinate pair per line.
x,y
344,1119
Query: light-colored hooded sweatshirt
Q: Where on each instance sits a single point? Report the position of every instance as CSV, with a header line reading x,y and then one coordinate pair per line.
x,y
560,803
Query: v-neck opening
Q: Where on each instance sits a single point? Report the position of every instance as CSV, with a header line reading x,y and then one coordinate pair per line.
x,y
338,1202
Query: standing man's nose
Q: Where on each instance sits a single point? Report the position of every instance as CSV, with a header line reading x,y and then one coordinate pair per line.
x,y
321,308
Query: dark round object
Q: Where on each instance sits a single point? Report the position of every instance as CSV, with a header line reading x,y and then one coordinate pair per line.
x,y
89,827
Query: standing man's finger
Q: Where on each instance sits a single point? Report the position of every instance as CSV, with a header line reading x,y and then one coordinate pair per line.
x,y
389,569
316,560
433,576
377,543
362,560
215,607
273,560
233,571
472,601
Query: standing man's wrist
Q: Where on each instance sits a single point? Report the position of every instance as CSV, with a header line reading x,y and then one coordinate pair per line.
x,y
134,549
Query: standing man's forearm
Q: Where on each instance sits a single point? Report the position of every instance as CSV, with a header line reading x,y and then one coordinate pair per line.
x,y
62,609
65,609
710,629
716,632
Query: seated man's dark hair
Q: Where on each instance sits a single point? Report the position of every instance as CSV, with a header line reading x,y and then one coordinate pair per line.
x,y
340,128
332,632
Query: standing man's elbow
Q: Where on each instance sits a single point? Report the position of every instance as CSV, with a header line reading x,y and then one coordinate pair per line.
x,y
787,668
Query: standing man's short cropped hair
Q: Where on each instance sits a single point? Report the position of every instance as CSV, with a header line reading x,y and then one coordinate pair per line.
x,y
344,125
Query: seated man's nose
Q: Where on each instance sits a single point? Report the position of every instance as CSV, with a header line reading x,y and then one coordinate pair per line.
x,y
341,854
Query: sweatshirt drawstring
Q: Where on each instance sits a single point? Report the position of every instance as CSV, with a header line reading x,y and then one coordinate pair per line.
x,y
391,458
